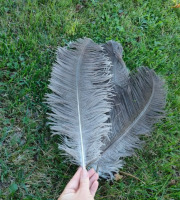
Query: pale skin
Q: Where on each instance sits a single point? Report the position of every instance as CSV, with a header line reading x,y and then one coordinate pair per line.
x,y
82,186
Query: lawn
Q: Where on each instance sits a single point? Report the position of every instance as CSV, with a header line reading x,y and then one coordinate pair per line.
x,y
31,166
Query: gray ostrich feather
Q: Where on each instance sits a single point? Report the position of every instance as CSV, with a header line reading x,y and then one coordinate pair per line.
x,y
137,107
114,51
99,108
80,98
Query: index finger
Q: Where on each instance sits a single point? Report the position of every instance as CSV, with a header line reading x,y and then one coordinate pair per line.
x,y
74,182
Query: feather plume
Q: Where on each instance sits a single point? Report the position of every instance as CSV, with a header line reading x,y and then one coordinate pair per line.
x,y
114,51
80,98
136,108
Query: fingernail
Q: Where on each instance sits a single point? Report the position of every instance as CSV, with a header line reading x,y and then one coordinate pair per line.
x,y
84,173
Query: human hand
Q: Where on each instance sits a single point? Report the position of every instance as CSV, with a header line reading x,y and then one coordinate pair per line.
x,y
82,186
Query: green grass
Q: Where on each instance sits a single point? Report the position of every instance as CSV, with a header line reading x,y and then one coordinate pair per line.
x,y
31,167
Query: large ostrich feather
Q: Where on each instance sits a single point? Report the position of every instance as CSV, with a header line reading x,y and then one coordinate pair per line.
x,y
80,99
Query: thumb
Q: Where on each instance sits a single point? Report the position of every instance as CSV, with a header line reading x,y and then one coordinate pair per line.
x,y
84,181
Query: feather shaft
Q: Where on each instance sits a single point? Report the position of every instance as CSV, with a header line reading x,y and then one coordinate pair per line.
x,y
78,106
